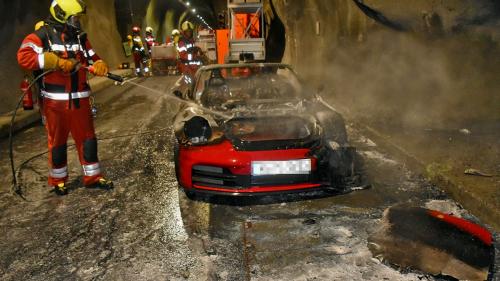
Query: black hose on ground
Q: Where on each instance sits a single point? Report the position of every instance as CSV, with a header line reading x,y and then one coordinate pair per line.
x,y
16,187
144,133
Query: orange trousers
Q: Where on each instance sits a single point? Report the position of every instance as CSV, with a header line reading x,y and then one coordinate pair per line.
x,y
64,117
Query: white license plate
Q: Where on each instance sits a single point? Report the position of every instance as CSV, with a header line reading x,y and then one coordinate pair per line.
x,y
289,167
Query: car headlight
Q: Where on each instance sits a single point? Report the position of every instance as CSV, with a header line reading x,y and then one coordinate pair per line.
x,y
197,130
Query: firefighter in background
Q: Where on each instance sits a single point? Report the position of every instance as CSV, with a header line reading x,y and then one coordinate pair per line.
x,y
150,42
39,25
173,42
39,84
150,39
190,56
174,38
62,47
140,55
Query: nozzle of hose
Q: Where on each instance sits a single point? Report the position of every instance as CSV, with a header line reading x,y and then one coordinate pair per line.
x,y
111,76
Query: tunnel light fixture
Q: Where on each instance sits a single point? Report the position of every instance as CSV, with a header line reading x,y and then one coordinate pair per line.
x,y
188,5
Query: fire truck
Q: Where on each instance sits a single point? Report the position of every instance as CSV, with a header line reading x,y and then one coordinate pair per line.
x,y
206,42
244,40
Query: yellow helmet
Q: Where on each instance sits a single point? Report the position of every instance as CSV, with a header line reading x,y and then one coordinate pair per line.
x,y
39,25
187,26
62,10
149,29
176,32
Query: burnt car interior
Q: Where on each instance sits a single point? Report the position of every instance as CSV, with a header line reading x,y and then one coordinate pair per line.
x,y
227,88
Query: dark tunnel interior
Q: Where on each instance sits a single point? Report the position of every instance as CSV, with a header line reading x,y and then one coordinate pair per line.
x,y
171,13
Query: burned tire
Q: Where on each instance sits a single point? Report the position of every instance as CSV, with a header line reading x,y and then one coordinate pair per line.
x,y
350,175
333,125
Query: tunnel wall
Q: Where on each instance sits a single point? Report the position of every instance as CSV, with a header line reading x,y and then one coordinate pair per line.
x,y
442,71
18,18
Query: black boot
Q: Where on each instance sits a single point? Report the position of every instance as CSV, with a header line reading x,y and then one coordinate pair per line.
x,y
102,183
61,189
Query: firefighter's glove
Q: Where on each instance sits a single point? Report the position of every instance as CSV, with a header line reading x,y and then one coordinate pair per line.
x,y
67,65
100,68
52,61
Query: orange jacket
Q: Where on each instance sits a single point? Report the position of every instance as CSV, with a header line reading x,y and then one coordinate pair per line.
x,y
53,38
188,52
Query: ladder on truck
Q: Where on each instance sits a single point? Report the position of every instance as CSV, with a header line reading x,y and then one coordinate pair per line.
x,y
246,39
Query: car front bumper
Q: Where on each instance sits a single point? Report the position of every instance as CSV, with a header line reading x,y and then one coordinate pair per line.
x,y
219,168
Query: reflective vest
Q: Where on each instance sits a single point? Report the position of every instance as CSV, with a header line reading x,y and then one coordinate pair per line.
x,y
137,45
150,41
51,38
185,47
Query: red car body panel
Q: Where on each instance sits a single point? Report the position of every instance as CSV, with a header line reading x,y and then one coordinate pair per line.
x,y
224,155
261,189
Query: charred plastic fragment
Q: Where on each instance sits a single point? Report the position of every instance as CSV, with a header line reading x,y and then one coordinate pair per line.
x,y
434,242
197,130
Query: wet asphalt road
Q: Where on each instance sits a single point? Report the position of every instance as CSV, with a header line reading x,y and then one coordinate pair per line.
x,y
146,229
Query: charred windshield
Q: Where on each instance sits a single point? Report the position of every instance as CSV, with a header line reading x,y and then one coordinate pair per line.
x,y
251,84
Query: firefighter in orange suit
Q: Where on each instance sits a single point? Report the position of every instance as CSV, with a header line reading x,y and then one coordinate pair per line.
x,y
150,39
139,51
189,54
60,46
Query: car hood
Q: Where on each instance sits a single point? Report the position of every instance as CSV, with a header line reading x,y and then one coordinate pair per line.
x,y
271,131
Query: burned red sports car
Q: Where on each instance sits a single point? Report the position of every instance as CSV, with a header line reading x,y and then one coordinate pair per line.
x,y
250,129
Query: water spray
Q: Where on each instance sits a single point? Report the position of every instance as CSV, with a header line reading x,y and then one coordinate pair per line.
x,y
180,100
121,80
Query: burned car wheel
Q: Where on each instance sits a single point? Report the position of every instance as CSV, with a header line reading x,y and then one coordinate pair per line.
x,y
346,172
340,163
334,127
